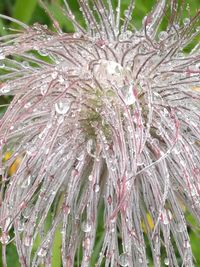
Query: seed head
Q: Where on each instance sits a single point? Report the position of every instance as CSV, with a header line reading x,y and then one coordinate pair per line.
x,y
105,122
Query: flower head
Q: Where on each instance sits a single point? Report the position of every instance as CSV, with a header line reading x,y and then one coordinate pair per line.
x,y
106,124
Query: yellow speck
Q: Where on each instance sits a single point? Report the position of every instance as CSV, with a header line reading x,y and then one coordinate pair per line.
x,y
149,221
13,168
7,156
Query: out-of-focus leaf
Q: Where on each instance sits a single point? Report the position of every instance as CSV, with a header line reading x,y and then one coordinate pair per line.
x,y
56,257
2,28
23,9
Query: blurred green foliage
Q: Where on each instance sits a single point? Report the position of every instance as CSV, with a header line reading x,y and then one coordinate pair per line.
x,y
29,11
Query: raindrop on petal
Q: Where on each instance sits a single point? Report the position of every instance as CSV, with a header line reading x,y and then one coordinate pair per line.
x,y
42,252
26,182
86,227
62,106
4,239
123,259
166,261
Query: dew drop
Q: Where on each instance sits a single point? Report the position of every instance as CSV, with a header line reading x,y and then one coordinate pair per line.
x,y
90,177
129,97
96,188
4,239
166,216
42,252
2,65
180,227
28,241
80,157
186,244
26,182
27,105
126,13
186,21
43,89
21,226
125,36
130,129
25,64
2,56
43,52
77,35
166,261
62,106
140,260
54,75
5,89
86,227
27,212
123,259
162,35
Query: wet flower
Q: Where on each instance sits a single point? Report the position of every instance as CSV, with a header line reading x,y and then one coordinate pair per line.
x,y
106,124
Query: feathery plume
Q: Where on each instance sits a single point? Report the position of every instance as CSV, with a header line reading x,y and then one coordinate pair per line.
x,y
105,122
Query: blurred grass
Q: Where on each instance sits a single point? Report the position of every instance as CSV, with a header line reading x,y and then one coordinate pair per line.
x,y
29,11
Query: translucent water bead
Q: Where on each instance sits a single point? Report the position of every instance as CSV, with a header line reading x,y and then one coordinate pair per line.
x,y
166,216
4,239
42,252
166,261
86,227
62,106
123,259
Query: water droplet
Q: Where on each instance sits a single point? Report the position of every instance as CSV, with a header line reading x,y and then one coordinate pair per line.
x,y
140,260
126,13
25,64
43,89
2,56
166,216
86,227
90,177
162,35
129,97
27,105
28,241
27,212
96,188
5,89
123,259
186,21
54,75
186,244
77,35
109,72
2,65
180,227
42,252
61,79
62,107
130,129
197,28
26,182
4,239
20,226
125,36
80,157
166,261
43,52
